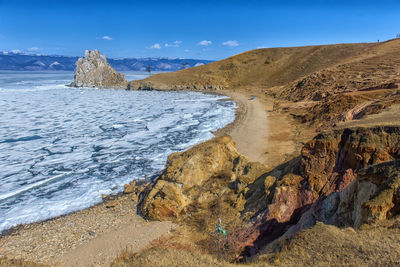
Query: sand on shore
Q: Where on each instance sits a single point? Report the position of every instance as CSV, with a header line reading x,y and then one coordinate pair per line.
x,y
97,235
90,237
260,133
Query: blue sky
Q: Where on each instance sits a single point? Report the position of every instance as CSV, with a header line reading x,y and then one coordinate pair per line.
x,y
190,29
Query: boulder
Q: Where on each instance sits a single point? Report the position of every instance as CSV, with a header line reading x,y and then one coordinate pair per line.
x,y
93,70
134,198
205,181
129,188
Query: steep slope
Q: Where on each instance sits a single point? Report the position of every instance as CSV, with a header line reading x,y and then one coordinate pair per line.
x,y
327,245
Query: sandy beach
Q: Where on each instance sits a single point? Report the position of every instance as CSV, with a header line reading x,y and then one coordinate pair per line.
x,y
260,133
97,235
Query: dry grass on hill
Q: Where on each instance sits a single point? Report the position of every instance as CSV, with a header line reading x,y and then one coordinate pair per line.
x,y
361,85
333,83
321,245
258,69
327,245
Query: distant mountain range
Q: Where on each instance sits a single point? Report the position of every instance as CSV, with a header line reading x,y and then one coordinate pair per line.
x,y
21,61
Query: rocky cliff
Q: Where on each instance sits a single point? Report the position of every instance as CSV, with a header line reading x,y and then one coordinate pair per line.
x,y
93,70
347,177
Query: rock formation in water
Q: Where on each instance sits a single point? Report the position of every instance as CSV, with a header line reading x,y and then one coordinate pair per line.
x,y
93,70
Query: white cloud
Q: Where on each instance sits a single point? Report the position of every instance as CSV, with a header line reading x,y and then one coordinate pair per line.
x,y
5,53
155,46
199,64
34,48
261,47
174,44
187,50
15,51
204,43
232,43
106,37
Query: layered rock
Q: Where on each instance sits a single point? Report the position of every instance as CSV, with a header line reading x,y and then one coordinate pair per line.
x,y
346,178
93,70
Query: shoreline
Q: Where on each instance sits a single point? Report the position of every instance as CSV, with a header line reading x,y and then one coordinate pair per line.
x,y
139,182
82,235
50,241
11,230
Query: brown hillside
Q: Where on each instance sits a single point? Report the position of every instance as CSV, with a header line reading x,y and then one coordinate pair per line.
x,y
318,85
375,69
255,69
362,85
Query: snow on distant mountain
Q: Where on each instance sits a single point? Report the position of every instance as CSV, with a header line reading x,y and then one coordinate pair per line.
x,y
16,60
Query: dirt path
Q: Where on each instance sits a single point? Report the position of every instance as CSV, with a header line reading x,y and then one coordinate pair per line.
x,y
260,134
250,128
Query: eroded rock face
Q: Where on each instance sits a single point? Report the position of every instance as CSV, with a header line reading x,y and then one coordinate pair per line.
x,y
199,181
345,208
347,178
93,70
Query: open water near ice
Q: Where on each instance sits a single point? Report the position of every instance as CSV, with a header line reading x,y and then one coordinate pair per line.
x,y
61,148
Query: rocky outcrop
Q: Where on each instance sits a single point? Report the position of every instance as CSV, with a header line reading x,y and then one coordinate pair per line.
x,y
346,177
93,70
202,182
373,197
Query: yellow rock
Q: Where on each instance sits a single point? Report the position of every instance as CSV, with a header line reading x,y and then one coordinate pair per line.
x,y
206,177
128,189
